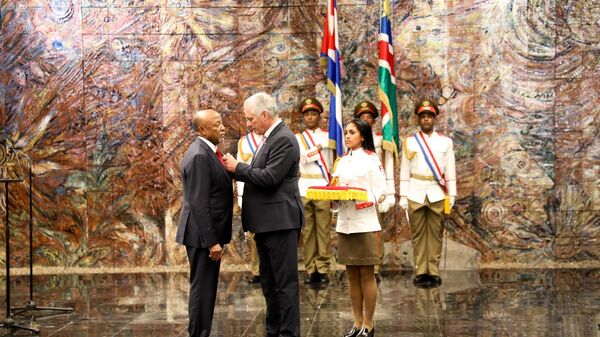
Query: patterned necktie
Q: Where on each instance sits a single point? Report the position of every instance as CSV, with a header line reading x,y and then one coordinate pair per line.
x,y
220,156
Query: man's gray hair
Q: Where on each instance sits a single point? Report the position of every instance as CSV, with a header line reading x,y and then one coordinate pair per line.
x,y
260,102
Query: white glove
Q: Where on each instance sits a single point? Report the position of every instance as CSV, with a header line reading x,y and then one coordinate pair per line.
x,y
403,202
388,202
335,209
452,201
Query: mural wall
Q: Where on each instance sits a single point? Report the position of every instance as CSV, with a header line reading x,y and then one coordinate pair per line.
x,y
99,94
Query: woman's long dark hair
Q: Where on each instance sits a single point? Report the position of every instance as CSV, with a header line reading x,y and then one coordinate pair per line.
x,y
365,131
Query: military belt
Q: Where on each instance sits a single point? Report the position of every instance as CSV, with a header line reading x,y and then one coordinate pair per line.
x,y
422,177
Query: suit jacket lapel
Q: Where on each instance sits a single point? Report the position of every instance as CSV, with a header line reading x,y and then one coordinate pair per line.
x,y
267,141
213,157
277,128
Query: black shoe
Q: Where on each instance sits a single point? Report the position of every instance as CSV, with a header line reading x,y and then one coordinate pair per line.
x,y
425,285
353,333
323,278
312,278
378,278
435,280
421,279
254,279
366,333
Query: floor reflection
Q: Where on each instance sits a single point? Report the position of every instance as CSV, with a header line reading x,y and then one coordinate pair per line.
x,y
485,303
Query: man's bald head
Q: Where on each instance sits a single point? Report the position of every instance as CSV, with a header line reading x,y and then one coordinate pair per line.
x,y
208,124
200,117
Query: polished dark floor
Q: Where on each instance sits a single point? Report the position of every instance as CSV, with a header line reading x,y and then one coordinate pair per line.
x,y
485,303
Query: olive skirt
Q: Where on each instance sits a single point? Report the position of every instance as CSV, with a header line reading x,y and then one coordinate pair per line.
x,y
358,249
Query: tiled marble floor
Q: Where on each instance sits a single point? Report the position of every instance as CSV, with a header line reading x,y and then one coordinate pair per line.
x,y
485,303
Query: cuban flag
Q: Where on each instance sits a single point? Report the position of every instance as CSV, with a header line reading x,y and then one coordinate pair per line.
x,y
387,82
330,51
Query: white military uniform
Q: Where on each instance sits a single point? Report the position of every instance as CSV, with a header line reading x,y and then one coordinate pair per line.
x,y
387,158
315,166
426,197
362,169
315,169
247,147
416,179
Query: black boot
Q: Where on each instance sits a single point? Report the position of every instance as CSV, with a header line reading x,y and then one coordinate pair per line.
x,y
435,280
421,278
312,278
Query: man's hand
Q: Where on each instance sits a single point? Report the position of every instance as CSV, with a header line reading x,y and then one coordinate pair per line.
x,y
387,204
216,252
403,202
230,162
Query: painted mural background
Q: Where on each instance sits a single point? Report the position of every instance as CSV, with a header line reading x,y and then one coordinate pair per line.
x,y
99,94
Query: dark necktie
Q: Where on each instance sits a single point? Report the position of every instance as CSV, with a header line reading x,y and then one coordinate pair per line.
x,y
220,156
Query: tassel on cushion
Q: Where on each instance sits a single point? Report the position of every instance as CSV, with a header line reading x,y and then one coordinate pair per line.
x,y
336,193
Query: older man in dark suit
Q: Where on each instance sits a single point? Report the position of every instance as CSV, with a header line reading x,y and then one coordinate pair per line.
x,y
205,220
272,209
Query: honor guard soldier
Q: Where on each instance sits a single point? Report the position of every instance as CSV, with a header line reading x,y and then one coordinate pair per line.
x,y
427,191
316,158
247,146
367,111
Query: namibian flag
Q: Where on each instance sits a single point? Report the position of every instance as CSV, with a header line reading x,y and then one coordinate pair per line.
x,y
330,51
387,82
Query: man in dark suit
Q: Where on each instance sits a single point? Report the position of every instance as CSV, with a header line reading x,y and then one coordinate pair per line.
x,y
205,220
272,209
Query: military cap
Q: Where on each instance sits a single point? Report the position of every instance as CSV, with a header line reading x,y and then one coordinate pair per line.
x,y
427,105
309,104
365,107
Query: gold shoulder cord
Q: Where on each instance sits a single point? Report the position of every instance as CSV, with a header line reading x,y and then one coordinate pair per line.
x,y
301,137
335,180
409,155
244,156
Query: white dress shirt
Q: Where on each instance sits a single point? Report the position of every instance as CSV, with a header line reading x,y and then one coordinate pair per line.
x,y
212,146
268,133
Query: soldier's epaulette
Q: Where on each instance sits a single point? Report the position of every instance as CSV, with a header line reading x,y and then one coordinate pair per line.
x,y
324,130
